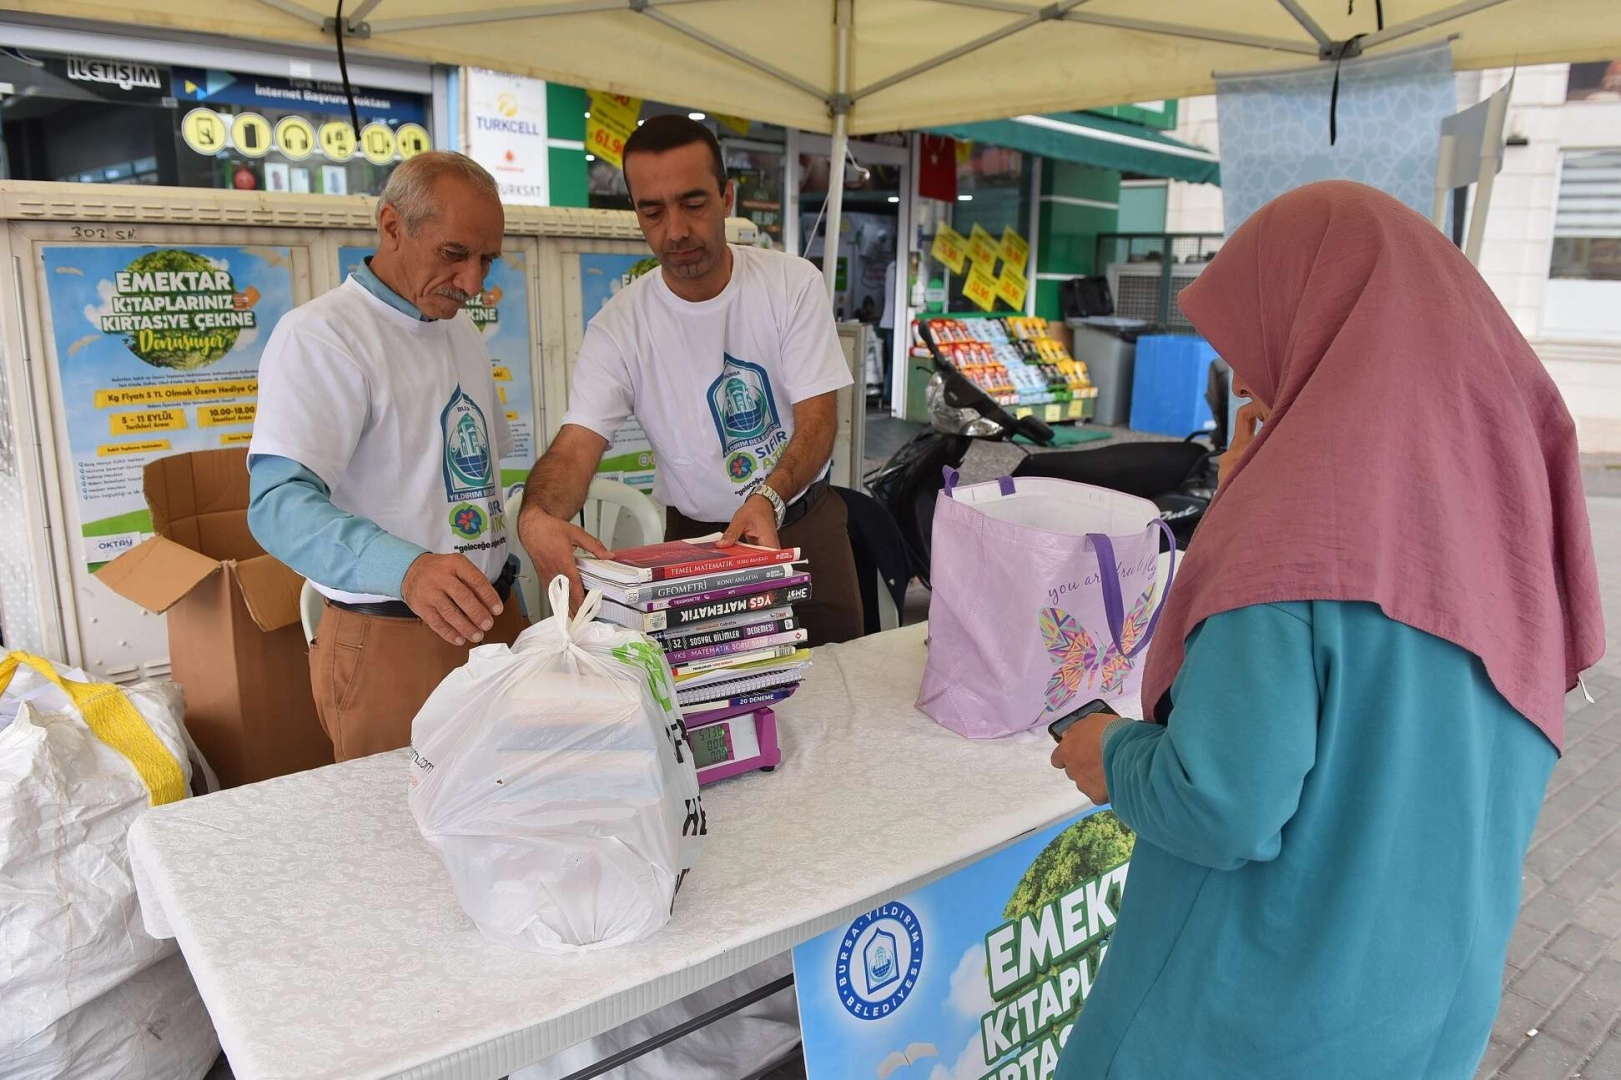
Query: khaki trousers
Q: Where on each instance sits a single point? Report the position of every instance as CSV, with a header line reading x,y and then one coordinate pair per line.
x,y
371,675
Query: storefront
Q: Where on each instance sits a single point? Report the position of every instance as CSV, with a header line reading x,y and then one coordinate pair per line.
x,y
79,106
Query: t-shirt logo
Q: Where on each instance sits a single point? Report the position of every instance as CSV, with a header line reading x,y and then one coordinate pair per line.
x,y
744,409
469,469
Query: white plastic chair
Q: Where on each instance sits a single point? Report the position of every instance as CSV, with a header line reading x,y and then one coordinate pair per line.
x,y
310,608
615,513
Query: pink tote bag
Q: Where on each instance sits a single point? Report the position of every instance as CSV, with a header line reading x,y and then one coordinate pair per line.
x,y
1045,598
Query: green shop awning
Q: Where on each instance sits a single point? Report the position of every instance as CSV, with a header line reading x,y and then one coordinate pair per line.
x,y
1097,141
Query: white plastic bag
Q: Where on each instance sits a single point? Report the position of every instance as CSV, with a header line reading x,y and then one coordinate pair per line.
x,y
88,993
555,780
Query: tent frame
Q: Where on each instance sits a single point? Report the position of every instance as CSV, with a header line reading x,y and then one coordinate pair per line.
x,y
843,99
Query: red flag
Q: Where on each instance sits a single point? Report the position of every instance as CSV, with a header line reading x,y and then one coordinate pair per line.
x,y
937,168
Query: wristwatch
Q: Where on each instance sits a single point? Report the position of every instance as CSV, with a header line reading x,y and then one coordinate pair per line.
x,y
769,494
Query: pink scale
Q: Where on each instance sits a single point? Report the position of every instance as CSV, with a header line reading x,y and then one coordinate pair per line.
x,y
731,744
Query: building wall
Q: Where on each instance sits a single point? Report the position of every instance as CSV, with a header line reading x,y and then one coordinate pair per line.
x,y
1195,207
1077,203
1519,228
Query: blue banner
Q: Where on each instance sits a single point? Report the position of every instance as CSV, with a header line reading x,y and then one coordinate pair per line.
x,y
979,976
215,87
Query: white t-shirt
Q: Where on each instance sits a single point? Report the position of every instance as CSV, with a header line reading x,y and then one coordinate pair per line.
x,y
398,416
715,383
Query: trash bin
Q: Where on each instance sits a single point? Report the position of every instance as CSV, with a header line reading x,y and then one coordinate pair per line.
x,y
1107,345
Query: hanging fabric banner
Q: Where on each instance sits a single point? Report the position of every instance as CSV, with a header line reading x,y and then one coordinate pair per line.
x,y
1274,128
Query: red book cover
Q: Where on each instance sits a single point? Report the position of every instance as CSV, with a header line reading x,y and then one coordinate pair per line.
x,y
683,558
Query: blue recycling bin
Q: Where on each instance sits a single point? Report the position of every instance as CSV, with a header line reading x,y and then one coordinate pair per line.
x,y
1168,385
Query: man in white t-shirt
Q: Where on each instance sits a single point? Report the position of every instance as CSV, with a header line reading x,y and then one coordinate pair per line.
x,y
730,360
375,462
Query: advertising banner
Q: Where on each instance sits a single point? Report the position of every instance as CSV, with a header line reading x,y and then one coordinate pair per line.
x,y
630,458
501,313
157,352
506,133
979,976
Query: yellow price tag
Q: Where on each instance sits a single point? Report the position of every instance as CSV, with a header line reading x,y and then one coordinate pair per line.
x,y
1053,413
1015,249
616,110
1012,287
1076,409
950,249
980,288
982,249
1023,411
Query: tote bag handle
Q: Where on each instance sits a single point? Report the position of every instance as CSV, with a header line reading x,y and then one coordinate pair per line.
x,y
952,476
1114,607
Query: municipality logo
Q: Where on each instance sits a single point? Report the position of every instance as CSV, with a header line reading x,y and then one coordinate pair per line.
x,y
467,521
743,407
469,469
879,961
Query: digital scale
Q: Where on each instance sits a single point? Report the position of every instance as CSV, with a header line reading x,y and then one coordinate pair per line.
x,y
733,745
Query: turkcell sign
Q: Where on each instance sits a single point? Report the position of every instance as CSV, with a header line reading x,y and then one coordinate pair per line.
x,y
509,127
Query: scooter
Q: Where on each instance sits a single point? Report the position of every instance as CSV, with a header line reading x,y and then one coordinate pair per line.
x,y
1178,477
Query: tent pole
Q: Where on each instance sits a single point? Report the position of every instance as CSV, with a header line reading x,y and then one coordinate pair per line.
x,y
1303,17
1427,22
841,143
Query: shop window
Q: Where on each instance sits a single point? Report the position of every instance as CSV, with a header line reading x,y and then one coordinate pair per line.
x,y
115,121
995,190
1584,287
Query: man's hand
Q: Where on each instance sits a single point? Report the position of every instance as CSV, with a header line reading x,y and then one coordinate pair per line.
x,y
1080,755
754,523
550,543
452,596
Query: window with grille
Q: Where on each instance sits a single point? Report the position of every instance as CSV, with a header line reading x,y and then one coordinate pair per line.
x,y
1587,225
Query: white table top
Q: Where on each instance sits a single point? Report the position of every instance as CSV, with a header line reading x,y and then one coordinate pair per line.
x,y
326,941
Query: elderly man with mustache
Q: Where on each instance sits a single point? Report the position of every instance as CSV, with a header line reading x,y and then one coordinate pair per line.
x,y
729,358
375,462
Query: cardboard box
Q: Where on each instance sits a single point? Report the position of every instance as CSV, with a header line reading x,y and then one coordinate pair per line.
x,y
235,643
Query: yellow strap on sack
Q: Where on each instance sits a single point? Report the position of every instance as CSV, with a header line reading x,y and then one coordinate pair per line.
x,y
115,721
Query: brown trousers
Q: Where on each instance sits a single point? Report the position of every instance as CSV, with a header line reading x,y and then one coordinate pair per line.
x,y
834,612
371,675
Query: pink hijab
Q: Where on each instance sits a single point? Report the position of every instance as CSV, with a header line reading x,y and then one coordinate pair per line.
x,y
1418,456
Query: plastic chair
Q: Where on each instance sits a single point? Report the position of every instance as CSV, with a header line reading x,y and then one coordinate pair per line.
x,y
615,513
310,608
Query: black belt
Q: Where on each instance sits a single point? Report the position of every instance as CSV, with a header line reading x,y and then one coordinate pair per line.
x,y
399,609
805,503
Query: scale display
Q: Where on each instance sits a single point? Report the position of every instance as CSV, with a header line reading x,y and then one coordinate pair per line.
x,y
734,745
710,745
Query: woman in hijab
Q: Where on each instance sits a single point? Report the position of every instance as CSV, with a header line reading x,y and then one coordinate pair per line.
x,y
1359,678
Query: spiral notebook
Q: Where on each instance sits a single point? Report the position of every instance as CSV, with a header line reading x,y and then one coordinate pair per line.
x,y
722,691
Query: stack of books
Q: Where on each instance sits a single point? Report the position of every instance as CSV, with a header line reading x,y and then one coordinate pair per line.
x,y
723,616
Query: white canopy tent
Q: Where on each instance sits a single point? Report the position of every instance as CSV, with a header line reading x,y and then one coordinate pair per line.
x,y
860,66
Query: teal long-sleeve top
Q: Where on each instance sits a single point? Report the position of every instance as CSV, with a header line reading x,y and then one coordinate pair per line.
x,y
291,514
1329,829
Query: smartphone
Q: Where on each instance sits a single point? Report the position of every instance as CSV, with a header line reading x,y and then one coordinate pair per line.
x,y
1058,727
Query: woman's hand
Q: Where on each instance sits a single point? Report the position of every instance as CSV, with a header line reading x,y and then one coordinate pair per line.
x,y
1080,755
